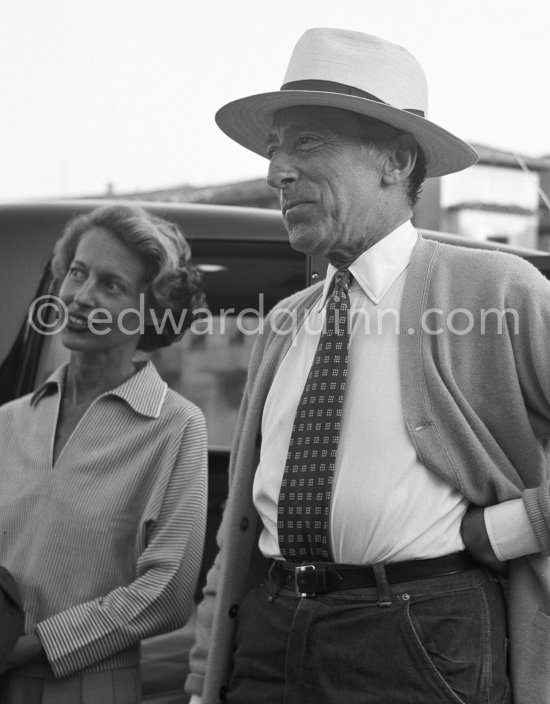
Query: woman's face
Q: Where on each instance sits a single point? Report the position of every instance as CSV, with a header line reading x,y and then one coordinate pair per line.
x,y
104,294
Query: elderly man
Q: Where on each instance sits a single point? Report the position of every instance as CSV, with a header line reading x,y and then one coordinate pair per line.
x,y
384,409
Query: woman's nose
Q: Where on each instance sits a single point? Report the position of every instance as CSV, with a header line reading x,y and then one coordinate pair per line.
x,y
84,295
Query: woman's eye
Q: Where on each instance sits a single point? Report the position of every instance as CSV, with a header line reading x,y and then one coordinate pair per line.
x,y
113,287
75,273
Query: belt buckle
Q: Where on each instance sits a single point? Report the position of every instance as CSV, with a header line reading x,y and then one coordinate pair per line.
x,y
301,575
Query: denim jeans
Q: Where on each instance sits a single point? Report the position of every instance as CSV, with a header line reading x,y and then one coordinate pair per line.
x,y
430,641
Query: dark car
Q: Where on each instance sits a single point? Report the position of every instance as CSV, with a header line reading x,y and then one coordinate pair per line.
x,y
248,266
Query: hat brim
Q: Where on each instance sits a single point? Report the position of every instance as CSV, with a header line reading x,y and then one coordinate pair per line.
x,y
248,121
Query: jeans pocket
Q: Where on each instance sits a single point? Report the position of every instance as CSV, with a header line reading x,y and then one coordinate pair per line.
x,y
452,636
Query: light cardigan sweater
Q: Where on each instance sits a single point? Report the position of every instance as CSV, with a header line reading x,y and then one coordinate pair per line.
x,y
477,407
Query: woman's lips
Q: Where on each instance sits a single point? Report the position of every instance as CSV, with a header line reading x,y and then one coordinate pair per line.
x,y
77,321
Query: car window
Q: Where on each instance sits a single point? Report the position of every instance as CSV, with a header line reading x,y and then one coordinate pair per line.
x,y
209,368
24,255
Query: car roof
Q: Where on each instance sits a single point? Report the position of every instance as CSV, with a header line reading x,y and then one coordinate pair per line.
x,y
197,220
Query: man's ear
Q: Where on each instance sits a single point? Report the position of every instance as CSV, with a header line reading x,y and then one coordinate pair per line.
x,y
401,159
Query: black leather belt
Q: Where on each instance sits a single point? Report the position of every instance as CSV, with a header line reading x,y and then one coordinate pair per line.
x,y
323,577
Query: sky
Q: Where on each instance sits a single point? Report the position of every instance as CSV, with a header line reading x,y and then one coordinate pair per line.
x,y
122,93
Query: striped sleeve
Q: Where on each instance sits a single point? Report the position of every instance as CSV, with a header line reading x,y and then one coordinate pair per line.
x,y
161,596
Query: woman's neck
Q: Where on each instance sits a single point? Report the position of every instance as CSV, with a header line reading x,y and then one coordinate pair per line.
x,y
89,377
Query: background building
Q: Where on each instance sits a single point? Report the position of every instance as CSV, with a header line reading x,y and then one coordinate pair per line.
x,y
499,199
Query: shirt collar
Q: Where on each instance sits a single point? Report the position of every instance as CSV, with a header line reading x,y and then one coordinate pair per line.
x,y
52,384
379,266
144,391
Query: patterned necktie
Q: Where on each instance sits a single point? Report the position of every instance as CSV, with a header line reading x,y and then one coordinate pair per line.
x,y
304,500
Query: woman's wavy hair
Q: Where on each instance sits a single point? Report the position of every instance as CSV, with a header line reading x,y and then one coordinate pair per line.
x,y
173,282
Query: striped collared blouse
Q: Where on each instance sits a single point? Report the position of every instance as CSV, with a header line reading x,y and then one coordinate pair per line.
x,y
106,543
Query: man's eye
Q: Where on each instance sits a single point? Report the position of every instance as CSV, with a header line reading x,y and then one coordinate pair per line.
x,y
307,140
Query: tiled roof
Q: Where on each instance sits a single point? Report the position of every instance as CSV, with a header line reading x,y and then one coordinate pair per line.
x,y
254,192
493,208
500,157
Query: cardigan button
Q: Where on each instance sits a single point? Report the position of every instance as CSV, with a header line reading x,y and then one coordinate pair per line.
x,y
243,525
233,610
418,428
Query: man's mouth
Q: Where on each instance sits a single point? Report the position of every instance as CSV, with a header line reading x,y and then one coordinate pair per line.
x,y
291,205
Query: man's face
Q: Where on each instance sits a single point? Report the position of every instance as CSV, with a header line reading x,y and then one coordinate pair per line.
x,y
330,185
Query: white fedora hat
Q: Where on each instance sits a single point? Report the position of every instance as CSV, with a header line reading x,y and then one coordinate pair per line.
x,y
353,71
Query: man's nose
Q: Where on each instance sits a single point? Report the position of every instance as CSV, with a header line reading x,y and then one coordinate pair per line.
x,y
282,170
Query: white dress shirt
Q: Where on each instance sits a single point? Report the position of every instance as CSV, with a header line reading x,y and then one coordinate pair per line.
x,y
386,506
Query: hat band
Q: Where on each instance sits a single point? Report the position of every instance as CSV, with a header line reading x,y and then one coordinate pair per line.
x,y
333,87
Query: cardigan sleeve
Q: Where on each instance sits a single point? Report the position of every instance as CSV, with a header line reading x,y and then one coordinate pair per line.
x,y
532,356
161,596
198,657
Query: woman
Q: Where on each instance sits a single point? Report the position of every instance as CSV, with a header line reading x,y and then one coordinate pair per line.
x,y
103,482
